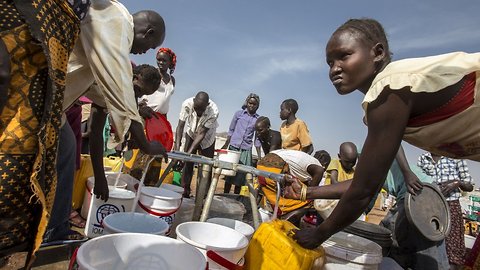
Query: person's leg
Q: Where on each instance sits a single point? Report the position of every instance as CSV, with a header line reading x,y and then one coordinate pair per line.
x,y
237,189
59,226
455,241
210,153
227,186
187,172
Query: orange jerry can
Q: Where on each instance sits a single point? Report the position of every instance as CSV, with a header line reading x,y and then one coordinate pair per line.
x,y
272,247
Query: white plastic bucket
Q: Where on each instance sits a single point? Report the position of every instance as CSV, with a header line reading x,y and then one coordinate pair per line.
x,y
135,251
228,156
125,222
173,188
159,202
237,225
216,242
88,191
184,214
348,251
161,199
120,200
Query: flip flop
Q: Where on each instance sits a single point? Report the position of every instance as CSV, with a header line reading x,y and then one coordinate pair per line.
x,y
76,220
70,238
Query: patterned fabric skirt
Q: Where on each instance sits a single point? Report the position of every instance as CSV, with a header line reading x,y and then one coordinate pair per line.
x,y
273,163
455,241
38,37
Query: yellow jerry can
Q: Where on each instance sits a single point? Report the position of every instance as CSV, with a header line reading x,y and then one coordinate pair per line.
x,y
272,247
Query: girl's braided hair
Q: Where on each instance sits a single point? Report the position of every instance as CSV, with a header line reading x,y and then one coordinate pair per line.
x,y
371,30
173,58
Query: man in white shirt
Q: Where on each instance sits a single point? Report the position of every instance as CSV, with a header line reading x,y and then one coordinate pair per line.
x,y
101,56
199,114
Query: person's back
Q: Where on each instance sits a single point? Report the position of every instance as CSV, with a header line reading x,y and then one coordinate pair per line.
x,y
300,165
294,132
269,138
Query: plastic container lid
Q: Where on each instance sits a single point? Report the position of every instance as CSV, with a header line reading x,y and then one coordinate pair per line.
x,y
429,212
353,248
160,130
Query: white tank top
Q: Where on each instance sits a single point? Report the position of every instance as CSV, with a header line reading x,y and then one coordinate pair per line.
x,y
160,100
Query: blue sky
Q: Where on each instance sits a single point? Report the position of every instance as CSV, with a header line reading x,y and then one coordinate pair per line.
x,y
276,49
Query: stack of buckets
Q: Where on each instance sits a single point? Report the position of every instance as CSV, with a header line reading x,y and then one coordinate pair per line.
x,y
162,203
159,202
95,210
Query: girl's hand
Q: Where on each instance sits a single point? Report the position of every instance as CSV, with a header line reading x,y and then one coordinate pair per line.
x,y
448,187
310,238
293,188
413,183
100,189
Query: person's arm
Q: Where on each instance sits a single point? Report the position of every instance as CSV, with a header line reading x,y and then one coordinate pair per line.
x,y
259,152
179,135
316,172
198,138
231,129
96,144
276,142
387,119
106,38
150,148
333,192
333,176
227,142
305,138
411,179
464,181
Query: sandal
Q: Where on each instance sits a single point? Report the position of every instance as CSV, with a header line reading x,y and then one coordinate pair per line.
x,y
76,220
71,237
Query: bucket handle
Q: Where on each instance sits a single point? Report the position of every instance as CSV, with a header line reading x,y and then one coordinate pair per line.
x,y
212,255
73,259
151,212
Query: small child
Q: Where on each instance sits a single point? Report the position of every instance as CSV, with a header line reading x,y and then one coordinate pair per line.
x,y
295,134
429,102
342,168
240,138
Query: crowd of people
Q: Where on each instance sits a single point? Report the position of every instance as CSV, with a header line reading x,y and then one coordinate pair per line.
x,y
81,55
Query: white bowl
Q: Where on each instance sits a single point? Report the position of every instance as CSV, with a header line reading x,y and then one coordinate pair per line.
x,y
130,222
205,236
160,199
237,225
137,251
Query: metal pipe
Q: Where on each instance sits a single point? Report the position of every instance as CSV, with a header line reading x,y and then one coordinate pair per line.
x,y
253,200
201,190
225,165
211,192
